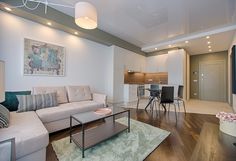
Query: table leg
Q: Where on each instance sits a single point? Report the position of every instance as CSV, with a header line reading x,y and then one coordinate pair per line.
x,y
70,128
82,140
129,121
149,102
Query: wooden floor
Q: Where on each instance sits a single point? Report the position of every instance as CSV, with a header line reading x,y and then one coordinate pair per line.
x,y
178,146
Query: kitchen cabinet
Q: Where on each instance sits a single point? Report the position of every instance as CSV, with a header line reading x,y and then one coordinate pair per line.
x,y
130,93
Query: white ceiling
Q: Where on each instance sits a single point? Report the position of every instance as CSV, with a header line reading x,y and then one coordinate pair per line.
x,y
147,23
218,42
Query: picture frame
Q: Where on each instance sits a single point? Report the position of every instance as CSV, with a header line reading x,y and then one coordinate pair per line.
x,y
43,59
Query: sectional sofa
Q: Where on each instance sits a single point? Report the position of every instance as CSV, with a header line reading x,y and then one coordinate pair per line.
x,y
31,129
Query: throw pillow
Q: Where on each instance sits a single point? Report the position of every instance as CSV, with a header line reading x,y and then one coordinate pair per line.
x,y
36,102
11,101
4,117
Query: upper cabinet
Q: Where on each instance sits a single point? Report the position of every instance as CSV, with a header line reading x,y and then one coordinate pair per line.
x,y
176,67
157,63
135,62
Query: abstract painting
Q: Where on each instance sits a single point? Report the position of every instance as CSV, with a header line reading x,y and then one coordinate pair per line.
x,y
42,58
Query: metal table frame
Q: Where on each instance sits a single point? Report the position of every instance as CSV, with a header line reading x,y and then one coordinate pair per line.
x,y
83,127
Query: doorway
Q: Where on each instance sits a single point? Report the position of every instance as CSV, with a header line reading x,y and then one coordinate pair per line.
x,y
212,81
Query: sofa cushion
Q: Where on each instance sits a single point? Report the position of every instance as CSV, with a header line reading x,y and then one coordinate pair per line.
x,y
11,101
4,116
79,93
64,111
35,102
61,92
29,133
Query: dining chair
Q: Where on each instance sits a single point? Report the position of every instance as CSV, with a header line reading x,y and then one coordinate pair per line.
x,y
179,98
140,94
167,97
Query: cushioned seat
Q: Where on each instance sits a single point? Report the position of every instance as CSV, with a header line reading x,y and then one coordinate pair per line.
x,y
29,133
63,111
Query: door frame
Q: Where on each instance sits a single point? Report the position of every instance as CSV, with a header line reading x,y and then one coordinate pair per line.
x,y
224,77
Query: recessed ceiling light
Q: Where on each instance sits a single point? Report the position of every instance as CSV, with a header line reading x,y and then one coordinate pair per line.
x,y
155,48
8,9
209,47
169,45
208,37
209,50
49,23
186,42
76,33
208,42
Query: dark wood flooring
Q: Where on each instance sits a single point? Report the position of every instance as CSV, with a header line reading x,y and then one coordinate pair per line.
x,y
179,146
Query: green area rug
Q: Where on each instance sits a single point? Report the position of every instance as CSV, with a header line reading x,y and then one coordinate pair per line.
x,y
133,146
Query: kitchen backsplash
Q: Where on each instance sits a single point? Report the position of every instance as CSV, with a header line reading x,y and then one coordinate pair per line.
x,y
145,78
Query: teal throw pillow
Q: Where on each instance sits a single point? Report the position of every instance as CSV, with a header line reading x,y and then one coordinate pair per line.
x,y
11,101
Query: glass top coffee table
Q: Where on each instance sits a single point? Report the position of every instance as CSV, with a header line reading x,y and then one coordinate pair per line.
x,y
90,137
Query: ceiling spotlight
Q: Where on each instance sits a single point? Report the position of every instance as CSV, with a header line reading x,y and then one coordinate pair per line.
x,y
186,42
155,48
169,45
209,47
208,42
209,50
49,23
76,33
208,37
7,8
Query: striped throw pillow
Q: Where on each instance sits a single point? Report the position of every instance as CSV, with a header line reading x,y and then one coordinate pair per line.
x,y
4,116
36,102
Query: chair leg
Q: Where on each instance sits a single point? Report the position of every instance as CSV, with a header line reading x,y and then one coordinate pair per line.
x,y
155,105
184,107
137,104
175,113
151,106
178,104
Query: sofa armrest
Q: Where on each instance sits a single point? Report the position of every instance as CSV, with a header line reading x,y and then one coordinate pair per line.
x,y
101,98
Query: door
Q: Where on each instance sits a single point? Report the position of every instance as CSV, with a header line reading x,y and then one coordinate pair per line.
x,y
212,78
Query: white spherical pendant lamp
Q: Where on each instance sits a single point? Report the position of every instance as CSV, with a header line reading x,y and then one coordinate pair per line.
x,y
85,15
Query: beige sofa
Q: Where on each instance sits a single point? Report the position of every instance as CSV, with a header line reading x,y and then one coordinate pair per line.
x,y
30,129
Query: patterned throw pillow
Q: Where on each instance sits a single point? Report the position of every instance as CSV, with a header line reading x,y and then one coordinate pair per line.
x,y
4,117
36,102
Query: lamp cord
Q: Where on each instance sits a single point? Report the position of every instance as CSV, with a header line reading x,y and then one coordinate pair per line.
x,y
46,3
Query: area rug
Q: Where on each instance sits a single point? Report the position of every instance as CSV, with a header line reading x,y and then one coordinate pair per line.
x,y
133,146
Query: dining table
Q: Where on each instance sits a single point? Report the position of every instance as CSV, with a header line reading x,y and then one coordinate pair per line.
x,y
154,94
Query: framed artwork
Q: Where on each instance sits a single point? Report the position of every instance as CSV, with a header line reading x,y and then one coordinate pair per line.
x,y
44,59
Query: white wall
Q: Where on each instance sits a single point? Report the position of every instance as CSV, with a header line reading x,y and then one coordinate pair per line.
x,y
87,62
231,97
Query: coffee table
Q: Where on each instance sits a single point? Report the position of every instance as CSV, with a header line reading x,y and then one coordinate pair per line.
x,y
90,137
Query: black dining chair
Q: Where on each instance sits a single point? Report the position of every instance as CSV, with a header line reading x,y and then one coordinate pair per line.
x,y
167,97
180,99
